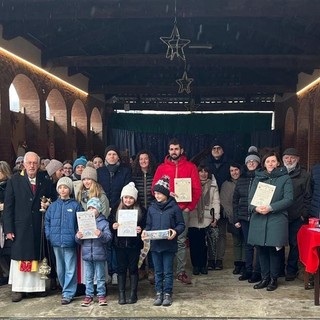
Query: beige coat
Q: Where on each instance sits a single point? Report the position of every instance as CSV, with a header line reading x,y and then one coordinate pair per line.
x,y
213,203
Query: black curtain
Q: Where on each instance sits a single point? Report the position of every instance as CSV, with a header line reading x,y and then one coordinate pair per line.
x,y
195,132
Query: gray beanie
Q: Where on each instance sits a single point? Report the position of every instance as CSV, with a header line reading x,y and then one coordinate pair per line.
x,y
89,173
252,155
130,190
66,182
53,166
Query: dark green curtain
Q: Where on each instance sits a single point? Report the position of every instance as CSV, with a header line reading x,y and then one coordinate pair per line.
x,y
195,131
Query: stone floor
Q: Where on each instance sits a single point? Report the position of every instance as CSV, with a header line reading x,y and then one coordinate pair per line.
x,y
218,295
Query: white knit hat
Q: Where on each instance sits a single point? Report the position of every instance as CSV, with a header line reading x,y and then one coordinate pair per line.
x,y
130,190
66,182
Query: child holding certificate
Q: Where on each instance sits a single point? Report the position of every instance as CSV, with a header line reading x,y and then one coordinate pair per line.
x,y
94,254
127,219
164,214
60,228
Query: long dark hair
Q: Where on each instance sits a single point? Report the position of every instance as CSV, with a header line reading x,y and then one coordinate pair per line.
x,y
136,169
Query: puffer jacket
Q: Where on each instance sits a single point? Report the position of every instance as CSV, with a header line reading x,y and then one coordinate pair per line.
x,y
240,197
96,249
271,229
180,169
164,216
61,222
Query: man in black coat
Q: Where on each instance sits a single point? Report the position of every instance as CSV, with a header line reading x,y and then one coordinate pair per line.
x,y
299,210
219,165
23,226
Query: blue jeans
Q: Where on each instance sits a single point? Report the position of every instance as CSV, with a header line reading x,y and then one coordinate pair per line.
x,y
66,259
163,269
95,268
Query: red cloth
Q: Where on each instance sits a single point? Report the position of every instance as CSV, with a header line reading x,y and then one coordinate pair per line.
x,y
308,244
33,188
26,266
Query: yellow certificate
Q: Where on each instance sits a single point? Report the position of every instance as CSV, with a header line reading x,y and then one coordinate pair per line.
x,y
182,189
263,194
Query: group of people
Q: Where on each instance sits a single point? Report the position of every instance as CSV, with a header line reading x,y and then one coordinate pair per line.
x,y
195,204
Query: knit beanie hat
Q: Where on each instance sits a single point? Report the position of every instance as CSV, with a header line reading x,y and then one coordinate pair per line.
x,y
130,190
95,203
291,152
53,166
216,142
163,186
113,148
80,161
66,182
252,155
89,173
19,159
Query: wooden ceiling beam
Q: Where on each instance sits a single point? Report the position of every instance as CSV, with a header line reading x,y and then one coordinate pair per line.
x,y
109,9
296,62
210,91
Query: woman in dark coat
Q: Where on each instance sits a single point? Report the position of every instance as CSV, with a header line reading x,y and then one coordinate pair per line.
x,y
269,223
5,251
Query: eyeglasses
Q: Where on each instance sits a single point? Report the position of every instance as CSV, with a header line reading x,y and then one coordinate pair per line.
x,y
19,162
67,168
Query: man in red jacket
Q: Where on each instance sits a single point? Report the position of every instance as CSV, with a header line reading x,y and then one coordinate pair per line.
x,y
176,166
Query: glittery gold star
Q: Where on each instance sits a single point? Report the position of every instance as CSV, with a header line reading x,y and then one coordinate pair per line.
x,y
184,83
175,44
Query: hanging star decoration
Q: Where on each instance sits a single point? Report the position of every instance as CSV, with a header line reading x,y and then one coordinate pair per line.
x,y
184,83
175,44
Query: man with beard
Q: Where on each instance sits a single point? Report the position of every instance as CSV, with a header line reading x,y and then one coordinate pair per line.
x,y
300,208
176,165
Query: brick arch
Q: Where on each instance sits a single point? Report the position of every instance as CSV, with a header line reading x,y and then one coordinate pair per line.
x,y
30,106
59,127
289,134
303,133
79,118
96,126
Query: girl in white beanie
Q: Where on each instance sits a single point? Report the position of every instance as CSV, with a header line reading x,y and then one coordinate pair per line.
x,y
127,248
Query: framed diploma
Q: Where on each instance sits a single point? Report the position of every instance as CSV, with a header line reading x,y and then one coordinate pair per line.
x,y
127,220
182,189
263,194
87,224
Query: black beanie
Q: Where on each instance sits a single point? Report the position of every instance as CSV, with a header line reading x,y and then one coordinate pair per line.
x,y
163,186
113,148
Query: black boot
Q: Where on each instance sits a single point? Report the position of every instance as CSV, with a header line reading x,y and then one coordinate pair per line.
x,y
237,267
262,284
245,276
256,277
133,289
273,285
122,288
